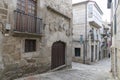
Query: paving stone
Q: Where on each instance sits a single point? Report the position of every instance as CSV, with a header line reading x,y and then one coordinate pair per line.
x,y
96,71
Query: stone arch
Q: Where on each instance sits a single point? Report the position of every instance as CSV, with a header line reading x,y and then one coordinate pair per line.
x,y
57,37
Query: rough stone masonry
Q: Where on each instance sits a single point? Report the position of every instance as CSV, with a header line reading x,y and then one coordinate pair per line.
x,y
56,26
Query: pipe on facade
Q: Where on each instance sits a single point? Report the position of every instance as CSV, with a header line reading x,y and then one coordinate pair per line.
x,y
85,42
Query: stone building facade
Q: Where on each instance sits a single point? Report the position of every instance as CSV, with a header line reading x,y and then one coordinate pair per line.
x,y
33,33
115,48
87,21
106,40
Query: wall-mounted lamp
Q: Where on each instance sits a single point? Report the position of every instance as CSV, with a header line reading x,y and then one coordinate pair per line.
x,y
81,39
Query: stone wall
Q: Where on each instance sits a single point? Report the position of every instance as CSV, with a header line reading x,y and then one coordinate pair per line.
x,y
57,26
79,21
115,48
3,19
117,40
78,58
3,11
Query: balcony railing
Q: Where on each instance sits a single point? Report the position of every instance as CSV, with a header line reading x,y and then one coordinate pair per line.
x,y
26,23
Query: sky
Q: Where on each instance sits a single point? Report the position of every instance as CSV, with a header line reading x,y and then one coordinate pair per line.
x,y
103,5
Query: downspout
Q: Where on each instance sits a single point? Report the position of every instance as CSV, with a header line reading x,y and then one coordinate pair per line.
x,y
115,32
85,42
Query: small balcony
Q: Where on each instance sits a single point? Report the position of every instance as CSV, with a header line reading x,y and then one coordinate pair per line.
x,y
95,18
95,21
27,25
103,34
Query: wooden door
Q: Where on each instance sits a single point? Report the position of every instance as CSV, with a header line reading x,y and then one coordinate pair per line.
x,y
96,52
58,55
92,53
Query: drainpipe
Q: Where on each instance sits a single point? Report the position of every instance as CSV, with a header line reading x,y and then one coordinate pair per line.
x,y
85,42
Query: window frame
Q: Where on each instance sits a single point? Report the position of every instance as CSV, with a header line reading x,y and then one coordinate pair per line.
x,y
26,6
78,54
29,46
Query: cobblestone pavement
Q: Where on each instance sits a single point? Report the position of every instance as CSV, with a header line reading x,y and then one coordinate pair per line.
x,y
96,71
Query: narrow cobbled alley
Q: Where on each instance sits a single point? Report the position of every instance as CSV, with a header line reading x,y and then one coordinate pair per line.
x,y
96,71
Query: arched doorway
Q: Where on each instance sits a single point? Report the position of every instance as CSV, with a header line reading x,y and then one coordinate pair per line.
x,y
58,54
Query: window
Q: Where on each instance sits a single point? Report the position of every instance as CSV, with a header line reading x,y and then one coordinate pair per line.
x,y
77,52
90,10
30,45
27,6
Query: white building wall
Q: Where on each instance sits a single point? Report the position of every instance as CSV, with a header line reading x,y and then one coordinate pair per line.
x,y
80,23
78,29
115,48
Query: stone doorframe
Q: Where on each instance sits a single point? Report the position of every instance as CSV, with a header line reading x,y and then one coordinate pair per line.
x,y
56,37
